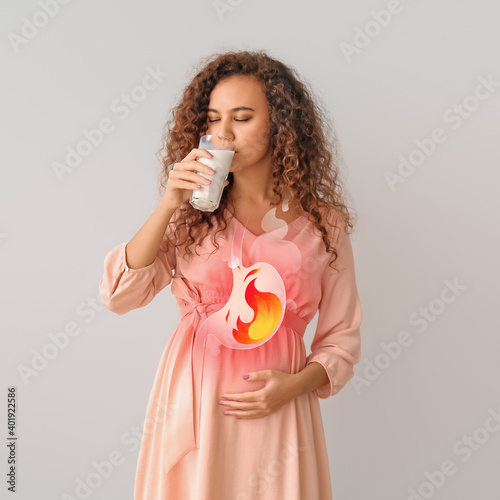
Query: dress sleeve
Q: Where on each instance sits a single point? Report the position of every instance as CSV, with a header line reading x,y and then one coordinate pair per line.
x,y
337,342
123,288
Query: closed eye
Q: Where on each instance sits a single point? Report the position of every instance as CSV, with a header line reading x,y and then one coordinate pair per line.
x,y
211,121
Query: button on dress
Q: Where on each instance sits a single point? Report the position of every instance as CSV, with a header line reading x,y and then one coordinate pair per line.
x,y
244,308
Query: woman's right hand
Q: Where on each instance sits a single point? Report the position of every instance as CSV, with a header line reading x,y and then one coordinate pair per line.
x,y
182,178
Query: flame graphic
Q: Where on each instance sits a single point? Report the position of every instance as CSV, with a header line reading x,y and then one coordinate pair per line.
x,y
267,309
258,292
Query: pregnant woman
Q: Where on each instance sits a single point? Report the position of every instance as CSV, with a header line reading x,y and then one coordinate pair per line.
x,y
233,413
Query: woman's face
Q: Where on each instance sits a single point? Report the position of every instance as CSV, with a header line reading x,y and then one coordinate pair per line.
x,y
238,111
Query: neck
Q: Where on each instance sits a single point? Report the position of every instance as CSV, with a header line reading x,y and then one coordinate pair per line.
x,y
254,185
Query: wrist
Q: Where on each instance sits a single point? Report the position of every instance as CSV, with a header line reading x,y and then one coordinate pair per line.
x,y
299,386
311,377
166,205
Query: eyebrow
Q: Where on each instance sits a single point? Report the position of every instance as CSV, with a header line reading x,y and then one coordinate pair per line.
x,y
241,108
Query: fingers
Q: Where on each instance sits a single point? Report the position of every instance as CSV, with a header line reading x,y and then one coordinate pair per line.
x,y
190,173
180,184
193,176
196,153
187,173
190,162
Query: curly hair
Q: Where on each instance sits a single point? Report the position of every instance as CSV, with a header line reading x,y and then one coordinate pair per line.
x,y
305,159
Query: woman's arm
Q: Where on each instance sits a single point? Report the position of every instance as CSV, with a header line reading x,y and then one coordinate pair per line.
x,y
337,340
142,248
135,272
182,178
311,377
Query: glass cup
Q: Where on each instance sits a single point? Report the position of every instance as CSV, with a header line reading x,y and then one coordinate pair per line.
x,y
207,198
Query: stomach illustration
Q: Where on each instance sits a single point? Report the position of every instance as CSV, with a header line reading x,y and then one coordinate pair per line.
x,y
254,310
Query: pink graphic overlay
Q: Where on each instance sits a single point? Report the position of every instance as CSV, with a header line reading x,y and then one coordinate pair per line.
x,y
255,308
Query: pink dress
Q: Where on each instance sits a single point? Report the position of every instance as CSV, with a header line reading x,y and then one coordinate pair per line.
x,y
244,308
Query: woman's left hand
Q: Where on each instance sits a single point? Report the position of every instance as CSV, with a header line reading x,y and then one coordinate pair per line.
x,y
280,389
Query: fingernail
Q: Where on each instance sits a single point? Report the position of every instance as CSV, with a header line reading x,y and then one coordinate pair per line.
x,y
212,171
211,155
246,377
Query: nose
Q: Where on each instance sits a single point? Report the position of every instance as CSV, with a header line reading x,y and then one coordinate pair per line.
x,y
220,136
225,136
223,131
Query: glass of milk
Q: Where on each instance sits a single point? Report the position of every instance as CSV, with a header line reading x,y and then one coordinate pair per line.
x,y
207,198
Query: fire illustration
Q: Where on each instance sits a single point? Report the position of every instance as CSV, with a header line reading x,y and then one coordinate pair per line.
x,y
255,308
267,310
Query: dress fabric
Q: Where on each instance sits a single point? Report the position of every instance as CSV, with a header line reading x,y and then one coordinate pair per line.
x,y
190,450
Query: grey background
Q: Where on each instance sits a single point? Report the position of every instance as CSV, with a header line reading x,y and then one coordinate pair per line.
x,y
440,224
